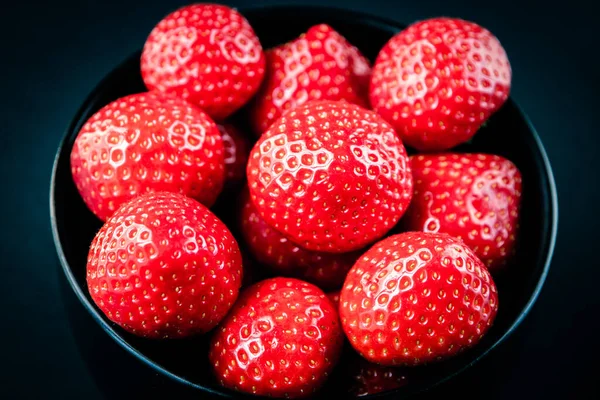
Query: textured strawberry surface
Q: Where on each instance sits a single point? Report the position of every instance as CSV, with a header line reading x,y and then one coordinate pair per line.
x,y
415,298
163,266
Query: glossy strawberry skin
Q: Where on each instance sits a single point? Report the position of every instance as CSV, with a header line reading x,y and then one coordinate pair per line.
x,y
163,266
319,64
207,54
274,251
147,142
416,298
438,80
331,176
473,197
236,149
281,339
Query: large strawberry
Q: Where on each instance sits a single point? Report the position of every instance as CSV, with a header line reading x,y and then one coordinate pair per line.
x,y
474,197
273,250
163,266
236,153
331,176
438,80
415,298
207,54
147,142
319,64
281,339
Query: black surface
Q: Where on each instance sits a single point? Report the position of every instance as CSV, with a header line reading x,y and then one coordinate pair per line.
x,y
55,53
507,133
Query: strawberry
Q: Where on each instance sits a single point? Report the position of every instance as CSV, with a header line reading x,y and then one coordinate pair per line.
x,y
207,54
331,176
415,298
147,142
163,266
273,250
438,80
319,64
335,298
281,339
369,378
473,197
236,153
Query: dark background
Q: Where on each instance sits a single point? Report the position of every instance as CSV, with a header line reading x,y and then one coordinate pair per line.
x,y
54,53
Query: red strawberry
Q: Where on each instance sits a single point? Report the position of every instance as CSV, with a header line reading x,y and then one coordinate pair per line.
x,y
273,250
438,80
415,298
319,64
163,266
147,142
207,54
331,176
474,197
281,339
335,298
236,153
370,378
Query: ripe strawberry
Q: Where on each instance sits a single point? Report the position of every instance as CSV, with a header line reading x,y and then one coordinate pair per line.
x,y
438,80
331,176
415,298
236,153
207,54
335,298
369,378
273,250
147,142
473,197
163,266
319,64
281,339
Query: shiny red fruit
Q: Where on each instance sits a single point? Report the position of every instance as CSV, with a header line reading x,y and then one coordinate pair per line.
x,y
207,54
319,64
274,251
416,298
147,142
237,149
163,266
438,80
281,339
331,176
473,197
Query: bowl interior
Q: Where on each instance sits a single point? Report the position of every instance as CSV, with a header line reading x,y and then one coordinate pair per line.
x,y
508,133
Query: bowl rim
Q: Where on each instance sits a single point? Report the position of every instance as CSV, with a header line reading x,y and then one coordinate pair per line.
x,y
327,11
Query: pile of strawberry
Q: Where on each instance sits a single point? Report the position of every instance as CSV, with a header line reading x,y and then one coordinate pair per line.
x,y
363,244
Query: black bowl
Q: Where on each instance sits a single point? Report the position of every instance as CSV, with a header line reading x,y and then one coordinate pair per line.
x,y
182,366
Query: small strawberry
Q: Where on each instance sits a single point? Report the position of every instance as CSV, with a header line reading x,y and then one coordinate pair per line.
x,y
473,197
415,298
163,266
236,153
438,80
369,378
207,54
273,250
335,298
331,176
147,142
281,339
319,64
